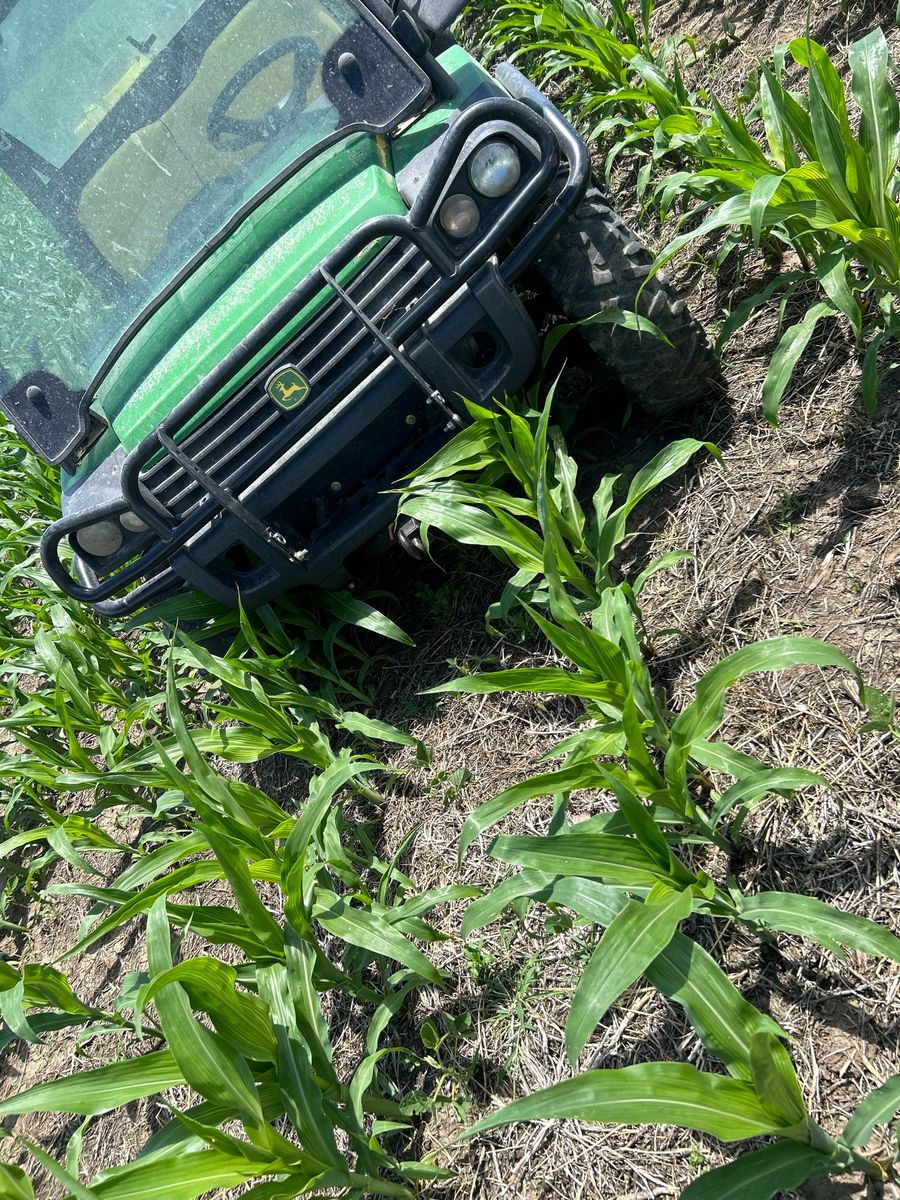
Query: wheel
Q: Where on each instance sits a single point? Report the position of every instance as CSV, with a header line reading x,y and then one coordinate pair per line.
x,y
596,263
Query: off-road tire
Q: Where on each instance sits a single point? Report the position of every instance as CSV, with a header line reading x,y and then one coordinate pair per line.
x,y
596,263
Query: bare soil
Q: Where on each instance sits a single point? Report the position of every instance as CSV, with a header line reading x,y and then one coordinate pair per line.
x,y
798,532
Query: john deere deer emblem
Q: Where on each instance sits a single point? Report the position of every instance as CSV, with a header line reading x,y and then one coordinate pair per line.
x,y
288,387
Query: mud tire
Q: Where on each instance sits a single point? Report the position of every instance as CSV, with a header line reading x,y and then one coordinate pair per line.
x,y
597,263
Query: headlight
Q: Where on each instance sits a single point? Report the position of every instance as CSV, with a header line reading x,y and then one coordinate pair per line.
x,y
495,169
100,539
460,216
132,522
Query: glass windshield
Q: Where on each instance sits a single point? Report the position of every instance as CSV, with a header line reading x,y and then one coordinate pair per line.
x,y
132,131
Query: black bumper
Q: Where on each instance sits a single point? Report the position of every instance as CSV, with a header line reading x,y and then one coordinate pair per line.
x,y
259,499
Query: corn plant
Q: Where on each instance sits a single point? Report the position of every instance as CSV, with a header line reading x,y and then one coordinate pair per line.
x,y
252,1040
82,698
758,1096
768,1102
815,185
98,711
809,183
262,1050
567,33
622,870
565,562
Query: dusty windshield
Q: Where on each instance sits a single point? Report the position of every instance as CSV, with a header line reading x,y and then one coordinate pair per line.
x,y
131,131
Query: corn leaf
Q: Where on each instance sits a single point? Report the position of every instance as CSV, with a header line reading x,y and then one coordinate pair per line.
x,y
370,932
302,1099
175,1138
77,1190
646,1094
723,1020
759,1175
184,1177
660,468
488,908
209,1064
704,715
89,1093
811,918
878,1108
553,783
240,1017
828,113
176,881
14,1184
354,611
786,355
879,131
632,940
775,1079
534,679
149,866
778,133
753,787
473,527
618,861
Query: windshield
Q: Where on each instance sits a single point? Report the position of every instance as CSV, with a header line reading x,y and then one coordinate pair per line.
x,y
132,131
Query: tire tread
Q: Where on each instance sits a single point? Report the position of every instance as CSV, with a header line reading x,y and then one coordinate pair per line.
x,y
597,263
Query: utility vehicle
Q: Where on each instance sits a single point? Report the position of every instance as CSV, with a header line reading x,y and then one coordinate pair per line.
x,y
254,253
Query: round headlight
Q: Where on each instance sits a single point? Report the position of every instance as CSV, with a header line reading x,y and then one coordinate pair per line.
x,y
460,216
133,522
495,169
100,539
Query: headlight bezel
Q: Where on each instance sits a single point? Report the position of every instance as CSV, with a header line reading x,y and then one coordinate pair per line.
x,y
532,159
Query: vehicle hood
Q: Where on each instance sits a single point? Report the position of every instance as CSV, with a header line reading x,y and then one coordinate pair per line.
x,y
261,263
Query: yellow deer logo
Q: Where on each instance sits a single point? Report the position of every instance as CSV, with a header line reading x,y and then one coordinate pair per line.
x,y
288,387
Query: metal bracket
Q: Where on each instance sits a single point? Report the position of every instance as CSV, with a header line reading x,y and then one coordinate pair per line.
x,y
272,537
399,356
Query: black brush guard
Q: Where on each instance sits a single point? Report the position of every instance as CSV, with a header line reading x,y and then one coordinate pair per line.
x,y
250,476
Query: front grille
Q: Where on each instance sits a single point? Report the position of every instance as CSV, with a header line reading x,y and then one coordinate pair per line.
x,y
236,441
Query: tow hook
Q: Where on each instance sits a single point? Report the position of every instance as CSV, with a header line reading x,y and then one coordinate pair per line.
x,y
407,538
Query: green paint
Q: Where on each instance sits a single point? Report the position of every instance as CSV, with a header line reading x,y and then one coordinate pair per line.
x,y
243,281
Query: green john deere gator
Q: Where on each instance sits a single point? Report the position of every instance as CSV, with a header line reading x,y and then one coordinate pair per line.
x,y
254,254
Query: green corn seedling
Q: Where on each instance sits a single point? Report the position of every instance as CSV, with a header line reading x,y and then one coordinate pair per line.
x,y
620,870
816,185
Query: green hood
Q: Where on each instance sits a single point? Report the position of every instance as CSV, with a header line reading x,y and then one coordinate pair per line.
x,y
240,283
243,281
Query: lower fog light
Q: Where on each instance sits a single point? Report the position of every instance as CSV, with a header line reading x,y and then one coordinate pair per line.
x,y
133,522
460,216
100,539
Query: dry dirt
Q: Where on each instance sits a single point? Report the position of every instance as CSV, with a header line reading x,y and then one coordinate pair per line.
x,y
798,532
